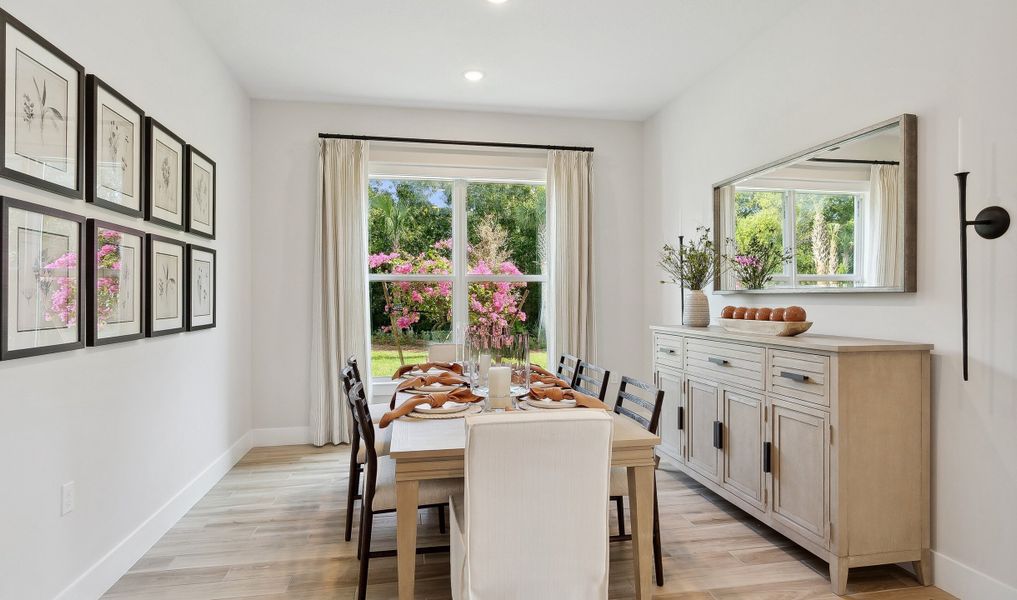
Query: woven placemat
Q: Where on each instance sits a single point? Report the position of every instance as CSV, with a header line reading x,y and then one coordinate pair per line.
x,y
476,408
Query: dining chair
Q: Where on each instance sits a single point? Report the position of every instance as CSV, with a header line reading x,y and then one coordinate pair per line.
x,y
442,352
520,530
380,490
591,380
568,368
645,403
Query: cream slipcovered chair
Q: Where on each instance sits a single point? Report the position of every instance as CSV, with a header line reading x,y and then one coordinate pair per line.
x,y
528,525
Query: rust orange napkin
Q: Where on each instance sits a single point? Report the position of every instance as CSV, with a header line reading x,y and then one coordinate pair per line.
x,y
541,370
548,379
415,382
559,394
436,400
425,367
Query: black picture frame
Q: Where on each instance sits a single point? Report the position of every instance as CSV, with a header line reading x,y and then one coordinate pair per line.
x,y
92,86
92,248
190,288
6,204
150,139
191,153
79,127
150,274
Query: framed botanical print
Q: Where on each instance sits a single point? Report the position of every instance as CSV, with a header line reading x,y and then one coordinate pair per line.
x,y
43,103
201,290
164,293
116,283
165,154
115,134
200,193
40,271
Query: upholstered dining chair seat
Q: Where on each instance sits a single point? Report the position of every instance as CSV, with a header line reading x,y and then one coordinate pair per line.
x,y
382,441
432,491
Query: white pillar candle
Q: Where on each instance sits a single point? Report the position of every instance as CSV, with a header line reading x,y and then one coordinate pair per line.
x,y
499,381
483,364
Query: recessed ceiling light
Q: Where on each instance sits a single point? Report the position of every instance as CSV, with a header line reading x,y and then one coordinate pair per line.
x,y
497,1
473,75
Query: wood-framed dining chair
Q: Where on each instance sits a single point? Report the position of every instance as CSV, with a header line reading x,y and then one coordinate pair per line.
x,y
644,408
591,380
568,368
380,490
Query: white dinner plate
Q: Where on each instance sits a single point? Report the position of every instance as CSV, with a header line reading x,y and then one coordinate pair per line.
x,y
436,387
541,385
551,403
448,407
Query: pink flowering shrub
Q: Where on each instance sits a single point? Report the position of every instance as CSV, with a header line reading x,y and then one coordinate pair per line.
x,y
63,302
494,306
108,267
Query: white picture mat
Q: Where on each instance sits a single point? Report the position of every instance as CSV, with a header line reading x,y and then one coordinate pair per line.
x,y
68,176
49,333
135,287
176,180
175,279
202,270
106,101
202,214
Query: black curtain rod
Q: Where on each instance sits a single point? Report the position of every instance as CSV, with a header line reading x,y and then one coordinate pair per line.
x,y
380,138
857,162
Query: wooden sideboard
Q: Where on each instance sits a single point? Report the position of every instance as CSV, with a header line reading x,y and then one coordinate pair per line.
x,y
825,439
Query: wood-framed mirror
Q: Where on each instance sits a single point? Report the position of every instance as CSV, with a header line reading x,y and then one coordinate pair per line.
x,y
840,217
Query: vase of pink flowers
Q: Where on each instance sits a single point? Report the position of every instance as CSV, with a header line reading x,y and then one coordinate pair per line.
x,y
756,265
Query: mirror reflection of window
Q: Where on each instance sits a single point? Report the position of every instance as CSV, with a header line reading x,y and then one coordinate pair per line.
x,y
837,214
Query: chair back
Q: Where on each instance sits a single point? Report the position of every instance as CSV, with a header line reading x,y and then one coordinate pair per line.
x,y
351,362
442,352
362,422
645,402
568,368
531,530
592,380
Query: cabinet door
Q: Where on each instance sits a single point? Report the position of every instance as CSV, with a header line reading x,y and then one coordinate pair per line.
x,y
702,414
742,472
671,437
801,490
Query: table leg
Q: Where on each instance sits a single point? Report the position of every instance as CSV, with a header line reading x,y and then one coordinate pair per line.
x,y
641,511
406,535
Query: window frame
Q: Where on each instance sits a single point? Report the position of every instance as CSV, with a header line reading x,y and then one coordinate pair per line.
x,y
460,278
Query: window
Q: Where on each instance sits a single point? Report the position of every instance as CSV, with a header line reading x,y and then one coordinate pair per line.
x,y
821,227
450,256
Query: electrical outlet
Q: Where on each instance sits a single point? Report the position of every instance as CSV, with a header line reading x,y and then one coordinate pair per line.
x,y
67,498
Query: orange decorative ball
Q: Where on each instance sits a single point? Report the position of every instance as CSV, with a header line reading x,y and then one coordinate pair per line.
x,y
750,314
739,312
794,313
727,313
763,314
777,314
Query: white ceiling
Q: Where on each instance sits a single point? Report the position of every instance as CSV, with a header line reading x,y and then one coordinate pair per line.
x,y
599,58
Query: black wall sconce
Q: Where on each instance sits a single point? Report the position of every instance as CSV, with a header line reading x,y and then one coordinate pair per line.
x,y
990,223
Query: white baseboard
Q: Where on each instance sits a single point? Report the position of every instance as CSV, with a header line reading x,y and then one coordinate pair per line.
x,y
94,582
964,582
281,436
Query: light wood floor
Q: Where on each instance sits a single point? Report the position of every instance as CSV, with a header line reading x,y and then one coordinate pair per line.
x,y
272,529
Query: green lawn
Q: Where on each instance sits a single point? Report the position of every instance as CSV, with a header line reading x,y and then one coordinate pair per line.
x,y
385,362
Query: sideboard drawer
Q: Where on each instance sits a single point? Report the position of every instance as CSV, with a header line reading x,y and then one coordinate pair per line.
x,y
668,351
800,375
732,363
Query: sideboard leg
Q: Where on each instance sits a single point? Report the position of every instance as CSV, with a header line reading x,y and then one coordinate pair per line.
x,y
923,568
839,575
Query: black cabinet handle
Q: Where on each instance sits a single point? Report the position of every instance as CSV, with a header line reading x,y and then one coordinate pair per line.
x,y
718,435
794,376
717,361
668,351
767,464
681,417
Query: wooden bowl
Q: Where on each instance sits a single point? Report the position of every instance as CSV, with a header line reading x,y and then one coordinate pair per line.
x,y
778,328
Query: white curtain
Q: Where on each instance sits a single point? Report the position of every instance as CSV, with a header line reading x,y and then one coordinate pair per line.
x,y
882,264
338,317
570,218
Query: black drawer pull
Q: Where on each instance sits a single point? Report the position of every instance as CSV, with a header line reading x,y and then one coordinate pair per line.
x,y
767,464
671,351
794,376
681,417
717,361
718,435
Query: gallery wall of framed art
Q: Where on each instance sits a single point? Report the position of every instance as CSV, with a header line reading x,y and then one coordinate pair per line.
x,y
71,280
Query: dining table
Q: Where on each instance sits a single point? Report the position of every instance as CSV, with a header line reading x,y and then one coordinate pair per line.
x,y
435,448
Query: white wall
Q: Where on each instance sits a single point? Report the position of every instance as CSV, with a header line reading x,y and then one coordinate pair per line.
x,y
130,434
832,67
284,187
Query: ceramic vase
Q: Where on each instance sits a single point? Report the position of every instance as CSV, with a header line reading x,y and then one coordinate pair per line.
x,y
697,309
